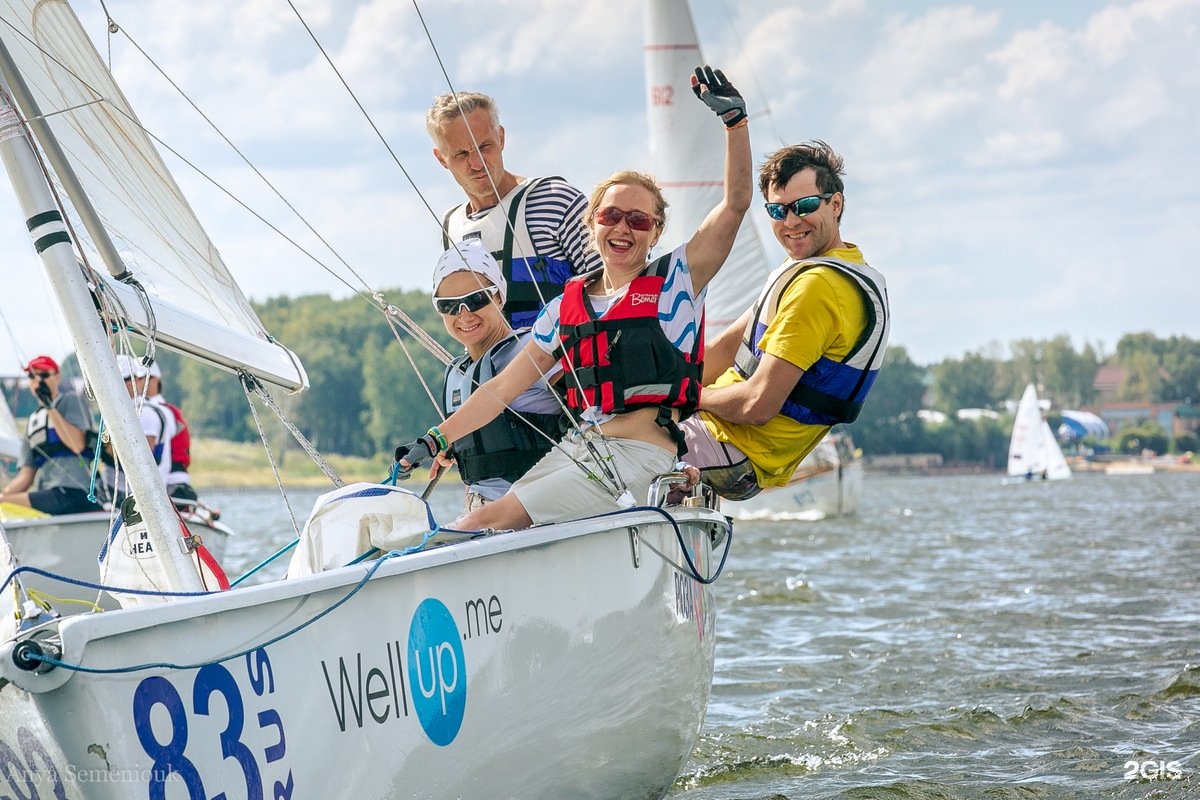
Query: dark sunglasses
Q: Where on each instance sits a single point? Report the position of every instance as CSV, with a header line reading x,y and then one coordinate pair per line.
x,y
801,208
610,216
472,302
42,375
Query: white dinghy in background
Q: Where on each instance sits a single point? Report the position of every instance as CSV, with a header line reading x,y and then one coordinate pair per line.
x,y
66,544
569,660
1033,451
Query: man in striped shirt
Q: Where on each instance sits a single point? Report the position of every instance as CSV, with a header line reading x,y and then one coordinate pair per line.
x,y
533,226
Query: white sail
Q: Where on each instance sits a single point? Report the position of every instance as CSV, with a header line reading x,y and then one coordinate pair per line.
x,y
1052,455
1033,452
142,222
688,154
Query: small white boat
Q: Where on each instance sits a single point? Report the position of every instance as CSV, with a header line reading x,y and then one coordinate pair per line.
x,y
1033,452
66,545
569,660
1129,468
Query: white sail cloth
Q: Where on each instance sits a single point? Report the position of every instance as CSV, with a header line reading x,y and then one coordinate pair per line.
x,y
139,209
347,522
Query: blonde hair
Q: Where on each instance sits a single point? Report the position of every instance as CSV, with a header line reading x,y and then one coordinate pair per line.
x,y
448,107
628,177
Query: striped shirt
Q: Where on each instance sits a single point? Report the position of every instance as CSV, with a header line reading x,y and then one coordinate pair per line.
x,y
554,217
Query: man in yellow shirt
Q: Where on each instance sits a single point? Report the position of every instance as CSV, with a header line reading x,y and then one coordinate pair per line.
x,y
805,356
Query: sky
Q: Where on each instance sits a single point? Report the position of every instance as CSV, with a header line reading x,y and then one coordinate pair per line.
x,y
1016,169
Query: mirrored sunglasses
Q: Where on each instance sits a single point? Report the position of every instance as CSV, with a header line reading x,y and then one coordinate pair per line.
x,y
638,220
801,207
472,302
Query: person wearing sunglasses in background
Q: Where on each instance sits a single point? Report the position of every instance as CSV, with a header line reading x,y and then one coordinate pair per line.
x,y
805,355
629,339
533,226
469,292
56,456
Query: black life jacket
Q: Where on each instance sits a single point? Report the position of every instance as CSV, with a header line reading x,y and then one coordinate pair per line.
x,y
514,441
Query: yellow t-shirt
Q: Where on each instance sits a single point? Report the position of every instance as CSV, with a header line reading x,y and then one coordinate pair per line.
x,y
822,313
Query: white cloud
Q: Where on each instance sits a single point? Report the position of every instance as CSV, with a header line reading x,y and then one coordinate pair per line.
x,y
1034,59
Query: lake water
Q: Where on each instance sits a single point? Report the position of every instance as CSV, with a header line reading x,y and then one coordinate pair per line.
x,y
957,638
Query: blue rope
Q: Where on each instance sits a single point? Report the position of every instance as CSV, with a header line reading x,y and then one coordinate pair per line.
x,y
97,586
240,654
353,591
695,572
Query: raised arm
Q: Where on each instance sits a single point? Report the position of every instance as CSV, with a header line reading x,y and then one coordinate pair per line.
x,y
710,245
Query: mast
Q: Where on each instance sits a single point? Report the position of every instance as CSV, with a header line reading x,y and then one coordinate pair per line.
x,y
99,365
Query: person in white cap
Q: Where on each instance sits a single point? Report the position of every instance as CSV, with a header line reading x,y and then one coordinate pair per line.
x,y
469,291
179,447
533,226
157,423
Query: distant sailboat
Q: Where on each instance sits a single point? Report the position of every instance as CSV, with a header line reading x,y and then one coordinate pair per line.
x,y
1033,452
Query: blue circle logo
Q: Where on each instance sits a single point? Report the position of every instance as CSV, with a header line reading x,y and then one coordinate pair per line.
x,y
437,671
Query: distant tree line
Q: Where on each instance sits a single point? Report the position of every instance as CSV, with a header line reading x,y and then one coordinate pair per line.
x,y
1155,371
365,396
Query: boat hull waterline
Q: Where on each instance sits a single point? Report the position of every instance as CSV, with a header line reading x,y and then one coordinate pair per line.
x,y
571,660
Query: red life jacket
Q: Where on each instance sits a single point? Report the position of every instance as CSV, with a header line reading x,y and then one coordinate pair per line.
x,y
623,360
181,442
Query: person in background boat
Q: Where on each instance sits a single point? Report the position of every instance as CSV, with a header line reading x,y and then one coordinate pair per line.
x,y
533,226
56,455
179,448
629,338
469,291
157,423
805,356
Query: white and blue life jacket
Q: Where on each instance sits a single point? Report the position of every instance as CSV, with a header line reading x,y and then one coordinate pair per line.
x,y
829,391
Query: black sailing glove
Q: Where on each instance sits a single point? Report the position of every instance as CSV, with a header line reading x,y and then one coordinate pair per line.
x,y
42,393
411,454
719,94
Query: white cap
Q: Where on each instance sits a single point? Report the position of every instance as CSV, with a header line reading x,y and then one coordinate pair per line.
x,y
131,367
155,369
470,256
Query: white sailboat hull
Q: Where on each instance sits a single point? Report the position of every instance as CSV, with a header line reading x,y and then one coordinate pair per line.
x,y
572,660
67,545
827,483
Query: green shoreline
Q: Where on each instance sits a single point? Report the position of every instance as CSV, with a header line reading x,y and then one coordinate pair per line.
x,y
219,465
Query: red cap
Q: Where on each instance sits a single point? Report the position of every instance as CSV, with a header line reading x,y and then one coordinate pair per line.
x,y
42,364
